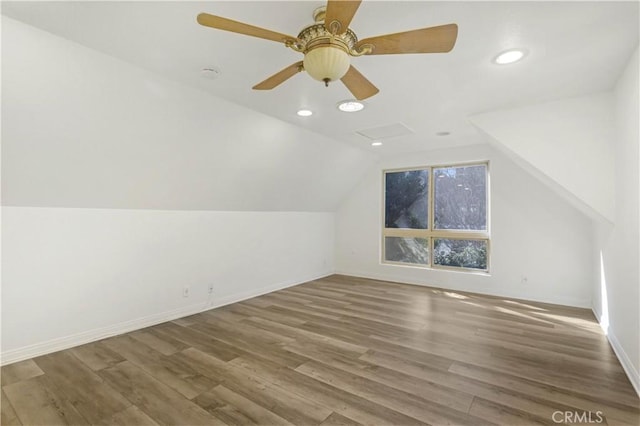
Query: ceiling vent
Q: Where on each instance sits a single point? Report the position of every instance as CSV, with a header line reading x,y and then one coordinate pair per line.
x,y
386,132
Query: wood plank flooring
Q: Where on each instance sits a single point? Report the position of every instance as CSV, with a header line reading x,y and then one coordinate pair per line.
x,y
336,351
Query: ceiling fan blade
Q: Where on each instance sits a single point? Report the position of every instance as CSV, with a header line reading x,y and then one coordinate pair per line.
x,y
279,77
358,85
426,40
225,24
342,12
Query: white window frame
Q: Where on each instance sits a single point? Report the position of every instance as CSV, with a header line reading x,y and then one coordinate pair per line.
x,y
430,234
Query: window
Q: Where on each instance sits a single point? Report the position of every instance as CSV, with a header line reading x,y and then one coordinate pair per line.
x,y
437,217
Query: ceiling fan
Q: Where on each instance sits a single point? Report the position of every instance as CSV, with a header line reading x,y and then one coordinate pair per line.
x,y
329,43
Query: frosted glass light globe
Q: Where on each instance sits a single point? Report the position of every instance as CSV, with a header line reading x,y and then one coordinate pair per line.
x,y
326,63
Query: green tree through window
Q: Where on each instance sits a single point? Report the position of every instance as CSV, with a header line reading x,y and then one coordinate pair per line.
x,y
437,217
406,202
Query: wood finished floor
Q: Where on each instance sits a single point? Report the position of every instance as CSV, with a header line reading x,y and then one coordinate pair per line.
x,y
336,351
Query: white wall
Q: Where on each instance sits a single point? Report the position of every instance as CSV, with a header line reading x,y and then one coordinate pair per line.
x,y
74,275
617,290
565,142
120,187
534,233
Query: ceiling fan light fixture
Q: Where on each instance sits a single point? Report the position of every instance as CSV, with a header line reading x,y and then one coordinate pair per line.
x,y
350,106
326,63
509,56
328,44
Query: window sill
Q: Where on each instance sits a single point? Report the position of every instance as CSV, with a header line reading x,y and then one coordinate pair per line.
x,y
466,271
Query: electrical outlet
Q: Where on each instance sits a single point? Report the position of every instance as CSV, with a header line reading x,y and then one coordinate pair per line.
x,y
211,288
185,291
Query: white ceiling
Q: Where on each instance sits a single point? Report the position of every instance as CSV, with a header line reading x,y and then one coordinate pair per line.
x,y
574,48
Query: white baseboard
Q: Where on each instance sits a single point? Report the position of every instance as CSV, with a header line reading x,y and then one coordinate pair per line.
x,y
88,336
624,359
58,344
263,290
627,365
577,303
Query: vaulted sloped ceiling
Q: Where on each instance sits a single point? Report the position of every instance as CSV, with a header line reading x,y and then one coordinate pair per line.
x,y
568,144
82,129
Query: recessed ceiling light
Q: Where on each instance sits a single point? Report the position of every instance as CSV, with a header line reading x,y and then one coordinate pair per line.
x,y
376,143
305,112
350,106
443,133
509,56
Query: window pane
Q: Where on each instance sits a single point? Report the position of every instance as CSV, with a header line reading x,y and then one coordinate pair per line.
x,y
406,250
460,197
406,199
461,253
